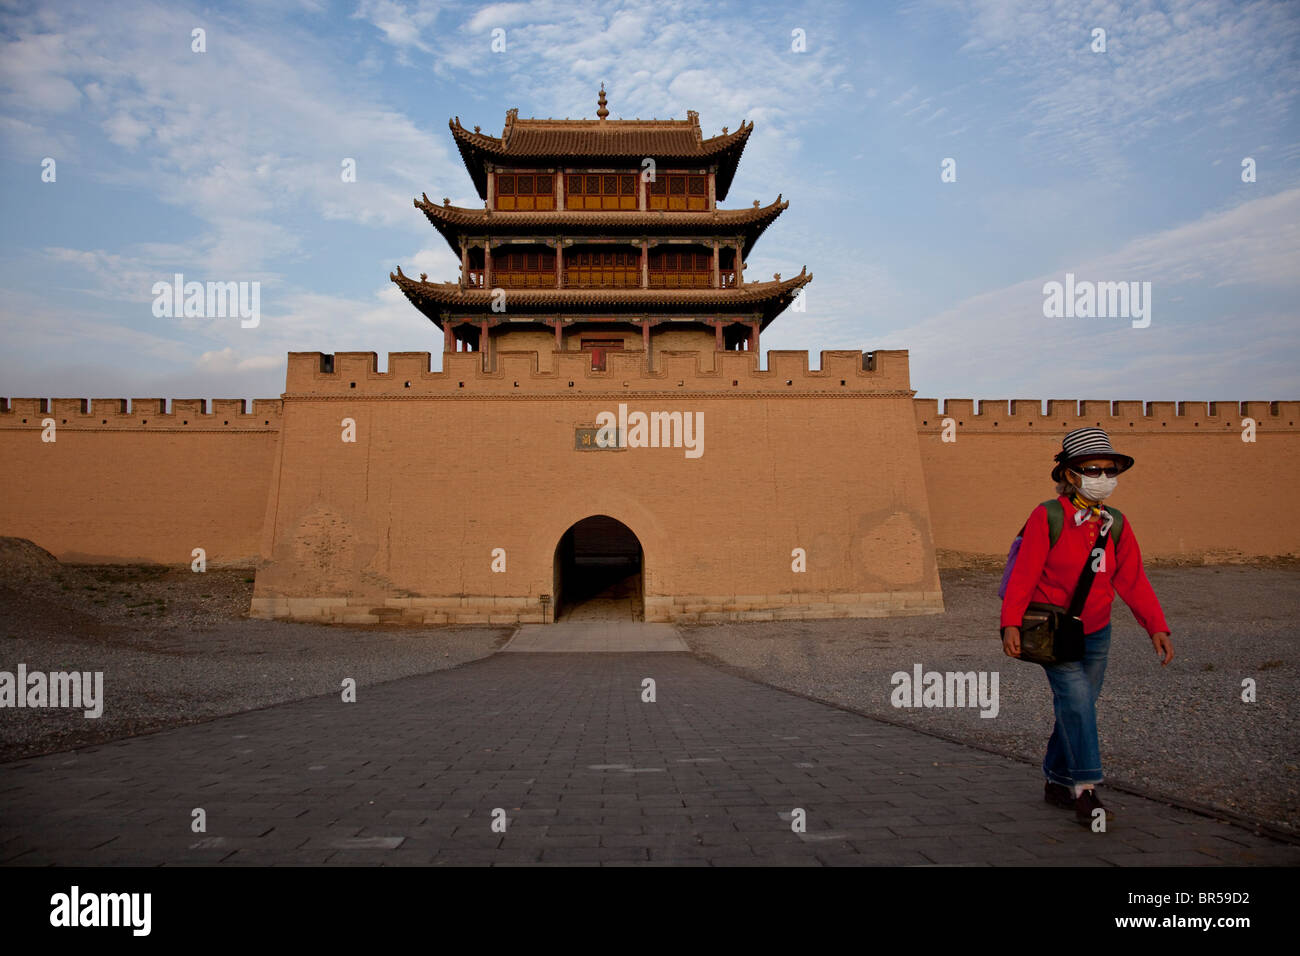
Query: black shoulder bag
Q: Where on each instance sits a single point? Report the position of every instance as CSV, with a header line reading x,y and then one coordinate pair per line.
x,y
1054,635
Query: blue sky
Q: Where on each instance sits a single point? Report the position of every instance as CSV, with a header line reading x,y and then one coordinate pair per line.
x,y
1123,165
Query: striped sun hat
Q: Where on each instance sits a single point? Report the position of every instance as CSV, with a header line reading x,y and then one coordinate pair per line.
x,y
1087,443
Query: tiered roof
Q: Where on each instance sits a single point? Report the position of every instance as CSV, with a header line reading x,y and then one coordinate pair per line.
x,y
456,221
768,299
617,142
602,142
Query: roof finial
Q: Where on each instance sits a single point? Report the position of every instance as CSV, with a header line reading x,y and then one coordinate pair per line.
x,y
602,112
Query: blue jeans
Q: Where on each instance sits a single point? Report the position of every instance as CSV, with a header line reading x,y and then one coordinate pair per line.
x,y
1073,752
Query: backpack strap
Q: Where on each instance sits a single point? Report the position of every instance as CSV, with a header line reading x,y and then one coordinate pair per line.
x,y
1055,520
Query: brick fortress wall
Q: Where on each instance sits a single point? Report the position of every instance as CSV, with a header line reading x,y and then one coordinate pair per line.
x,y
450,465
146,485
458,462
1196,490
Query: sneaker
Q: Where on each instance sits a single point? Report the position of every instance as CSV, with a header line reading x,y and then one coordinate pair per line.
x,y
1087,802
1058,794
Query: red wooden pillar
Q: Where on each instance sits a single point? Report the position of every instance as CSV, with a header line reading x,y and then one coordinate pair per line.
x,y
717,334
645,343
717,279
559,336
448,336
487,265
483,344
645,265
753,337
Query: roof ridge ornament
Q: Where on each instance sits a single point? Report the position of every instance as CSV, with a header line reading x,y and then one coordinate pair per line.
x,y
602,112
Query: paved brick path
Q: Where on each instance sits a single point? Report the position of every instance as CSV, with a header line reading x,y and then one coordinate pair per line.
x,y
586,773
617,637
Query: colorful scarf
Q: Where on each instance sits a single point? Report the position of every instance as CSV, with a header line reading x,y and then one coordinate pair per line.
x,y
1087,510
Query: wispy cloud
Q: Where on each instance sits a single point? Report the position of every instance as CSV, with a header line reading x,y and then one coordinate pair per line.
x,y
999,341
1162,70
249,137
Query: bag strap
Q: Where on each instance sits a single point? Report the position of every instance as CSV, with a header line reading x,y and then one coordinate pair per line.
x,y
1055,521
1086,577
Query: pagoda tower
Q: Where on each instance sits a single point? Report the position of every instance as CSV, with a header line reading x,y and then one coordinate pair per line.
x,y
600,441
600,235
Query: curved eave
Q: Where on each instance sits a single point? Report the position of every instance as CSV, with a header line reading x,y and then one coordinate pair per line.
x,y
477,149
453,222
474,147
729,159
767,298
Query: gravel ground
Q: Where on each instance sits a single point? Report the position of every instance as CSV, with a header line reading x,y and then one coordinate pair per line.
x,y
176,648
1181,731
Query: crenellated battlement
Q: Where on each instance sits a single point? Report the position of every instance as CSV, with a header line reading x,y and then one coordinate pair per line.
x,y
147,414
519,372
1023,415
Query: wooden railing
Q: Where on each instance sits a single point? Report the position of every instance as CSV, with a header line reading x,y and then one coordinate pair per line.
x,y
523,280
603,278
681,280
599,279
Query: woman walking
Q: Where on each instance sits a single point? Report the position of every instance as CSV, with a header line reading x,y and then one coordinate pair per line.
x,y
1056,546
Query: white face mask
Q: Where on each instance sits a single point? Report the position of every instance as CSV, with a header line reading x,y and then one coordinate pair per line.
x,y
1097,489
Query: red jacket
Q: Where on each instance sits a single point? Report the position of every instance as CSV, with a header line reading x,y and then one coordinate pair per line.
x,y
1050,577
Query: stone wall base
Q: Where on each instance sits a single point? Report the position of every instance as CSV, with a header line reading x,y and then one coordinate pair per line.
x,y
679,609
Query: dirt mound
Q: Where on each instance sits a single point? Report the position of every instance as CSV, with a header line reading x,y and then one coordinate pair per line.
x,y
22,560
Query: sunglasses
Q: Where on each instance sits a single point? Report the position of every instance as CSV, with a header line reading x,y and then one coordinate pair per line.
x,y
1096,471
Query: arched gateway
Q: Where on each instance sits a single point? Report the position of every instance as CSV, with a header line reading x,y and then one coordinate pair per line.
x,y
599,572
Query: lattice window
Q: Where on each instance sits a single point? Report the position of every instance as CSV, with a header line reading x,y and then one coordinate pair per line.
x,y
523,269
525,191
601,191
679,192
602,269
680,269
